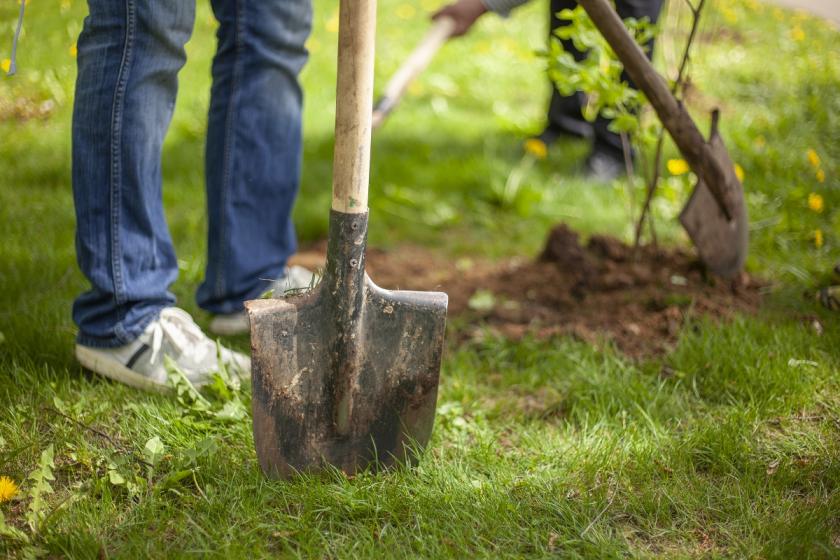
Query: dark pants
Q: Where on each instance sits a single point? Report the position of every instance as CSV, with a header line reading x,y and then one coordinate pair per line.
x,y
565,113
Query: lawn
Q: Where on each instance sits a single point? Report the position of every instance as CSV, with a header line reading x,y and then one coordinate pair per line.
x,y
728,446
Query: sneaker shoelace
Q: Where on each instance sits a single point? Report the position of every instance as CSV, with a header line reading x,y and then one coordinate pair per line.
x,y
184,335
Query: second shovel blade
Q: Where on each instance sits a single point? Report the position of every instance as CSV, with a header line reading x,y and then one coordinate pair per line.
x,y
722,243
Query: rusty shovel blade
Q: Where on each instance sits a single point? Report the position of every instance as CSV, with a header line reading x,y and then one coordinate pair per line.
x,y
346,374
721,242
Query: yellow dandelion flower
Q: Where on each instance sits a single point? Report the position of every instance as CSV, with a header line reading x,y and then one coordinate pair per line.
x,y
416,89
739,172
5,64
510,45
405,11
8,489
604,64
536,148
730,15
74,50
797,34
820,176
818,238
815,202
332,24
677,167
813,158
483,47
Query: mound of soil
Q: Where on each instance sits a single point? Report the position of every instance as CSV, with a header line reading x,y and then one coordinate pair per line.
x,y
595,292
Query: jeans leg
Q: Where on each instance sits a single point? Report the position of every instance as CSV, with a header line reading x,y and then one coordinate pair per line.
x,y
129,55
607,141
253,154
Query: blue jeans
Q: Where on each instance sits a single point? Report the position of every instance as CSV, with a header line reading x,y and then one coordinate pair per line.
x,y
129,55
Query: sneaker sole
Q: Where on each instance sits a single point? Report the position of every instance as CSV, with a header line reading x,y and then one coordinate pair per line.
x,y
115,371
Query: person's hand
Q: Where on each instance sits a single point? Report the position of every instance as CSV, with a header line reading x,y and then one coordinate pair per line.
x,y
463,12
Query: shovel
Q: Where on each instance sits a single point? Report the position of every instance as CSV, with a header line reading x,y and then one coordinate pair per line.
x,y
418,60
715,216
345,375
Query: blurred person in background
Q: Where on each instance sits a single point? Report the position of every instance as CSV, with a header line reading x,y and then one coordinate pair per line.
x,y
565,113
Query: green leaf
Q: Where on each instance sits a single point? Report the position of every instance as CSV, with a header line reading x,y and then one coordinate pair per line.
x,y
115,478
624,122
482,300
232,410
59,404
33,552
11,532
153,450
174,478
203,448
185,391
40,488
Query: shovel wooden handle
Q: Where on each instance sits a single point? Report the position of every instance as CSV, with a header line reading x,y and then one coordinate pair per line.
x,y
418,60
674,116
354,99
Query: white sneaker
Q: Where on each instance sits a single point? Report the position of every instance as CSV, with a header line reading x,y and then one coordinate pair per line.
x,y
174,334
295,278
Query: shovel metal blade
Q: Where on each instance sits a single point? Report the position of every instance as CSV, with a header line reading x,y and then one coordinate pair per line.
x,y
721,242
346,374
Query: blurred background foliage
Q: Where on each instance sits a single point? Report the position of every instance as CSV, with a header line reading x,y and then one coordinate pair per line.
x,y
443,162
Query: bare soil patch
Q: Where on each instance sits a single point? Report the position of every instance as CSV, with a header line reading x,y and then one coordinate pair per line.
x,y
597,292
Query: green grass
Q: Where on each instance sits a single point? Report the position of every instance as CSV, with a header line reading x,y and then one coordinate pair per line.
x,y
728,446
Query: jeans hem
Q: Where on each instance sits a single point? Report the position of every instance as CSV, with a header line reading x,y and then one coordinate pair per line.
x,y
116,341
229,307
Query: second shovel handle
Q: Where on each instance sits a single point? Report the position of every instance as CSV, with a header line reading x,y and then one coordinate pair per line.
x,y
418,60
354,99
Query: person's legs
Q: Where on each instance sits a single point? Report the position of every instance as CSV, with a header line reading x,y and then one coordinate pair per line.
x,y
253,147
565,111
129,54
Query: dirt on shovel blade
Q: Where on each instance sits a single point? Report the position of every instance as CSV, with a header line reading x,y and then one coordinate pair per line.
x,y
599,292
